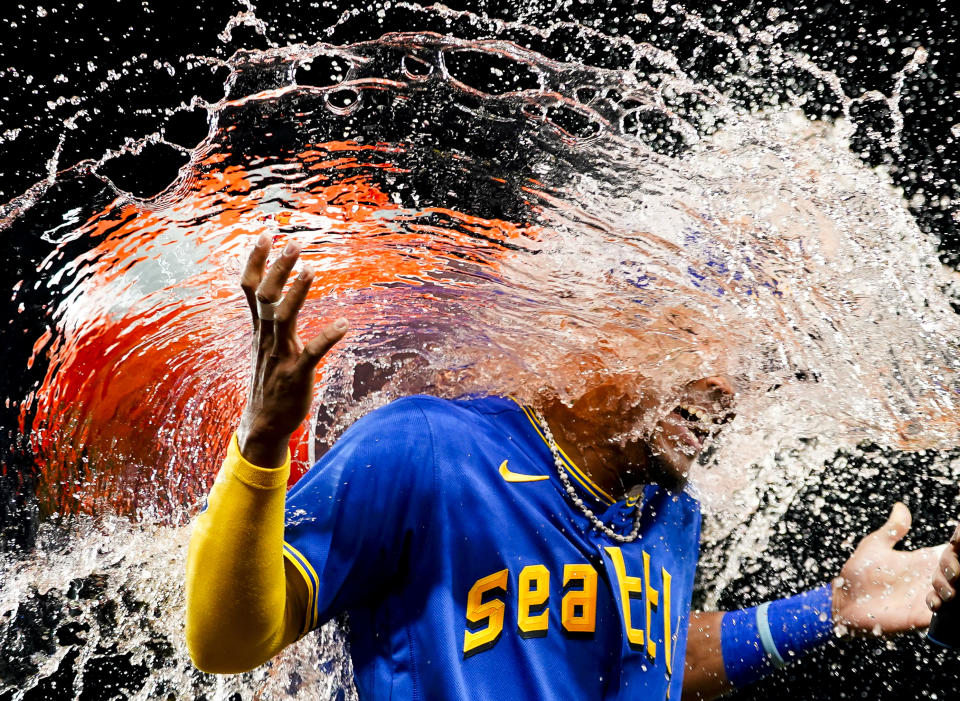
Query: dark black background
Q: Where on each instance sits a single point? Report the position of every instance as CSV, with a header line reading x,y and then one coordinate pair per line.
x,y
66,40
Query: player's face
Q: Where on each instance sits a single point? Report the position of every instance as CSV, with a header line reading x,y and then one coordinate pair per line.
x,y
679,437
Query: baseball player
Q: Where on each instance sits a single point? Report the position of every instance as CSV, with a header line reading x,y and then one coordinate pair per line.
x,y
488,549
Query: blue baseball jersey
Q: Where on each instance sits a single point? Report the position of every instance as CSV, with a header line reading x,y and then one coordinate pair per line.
x,y
467,571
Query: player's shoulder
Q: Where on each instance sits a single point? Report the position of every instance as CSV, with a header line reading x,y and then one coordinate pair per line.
x,y
439,411
442,428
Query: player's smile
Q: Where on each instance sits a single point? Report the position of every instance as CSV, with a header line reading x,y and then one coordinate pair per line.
x,y
696,424
704,408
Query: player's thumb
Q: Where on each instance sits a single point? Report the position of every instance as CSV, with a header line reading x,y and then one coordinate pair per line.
x,y
896,526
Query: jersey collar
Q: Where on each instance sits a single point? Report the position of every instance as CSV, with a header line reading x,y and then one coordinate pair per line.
x,y
586,487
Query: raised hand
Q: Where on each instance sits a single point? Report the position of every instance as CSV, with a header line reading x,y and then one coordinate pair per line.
x,y
881,590
283,368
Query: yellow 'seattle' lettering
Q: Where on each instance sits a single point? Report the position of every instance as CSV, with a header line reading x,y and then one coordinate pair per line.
x,y
486,606
533,590
585,598
651,598
629,587
667,625
479,611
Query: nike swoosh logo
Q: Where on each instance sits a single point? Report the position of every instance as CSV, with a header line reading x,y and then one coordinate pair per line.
x,y
517,477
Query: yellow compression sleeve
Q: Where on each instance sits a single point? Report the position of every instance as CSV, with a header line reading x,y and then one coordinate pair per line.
x,y
245,601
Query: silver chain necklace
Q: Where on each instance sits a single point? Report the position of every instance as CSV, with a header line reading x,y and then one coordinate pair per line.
x,y
599,525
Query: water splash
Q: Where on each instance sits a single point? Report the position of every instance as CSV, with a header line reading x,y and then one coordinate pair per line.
x,y
492,220
246,18
98,610
599,251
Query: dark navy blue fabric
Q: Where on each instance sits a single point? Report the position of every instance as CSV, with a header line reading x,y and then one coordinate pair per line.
x,y
408,511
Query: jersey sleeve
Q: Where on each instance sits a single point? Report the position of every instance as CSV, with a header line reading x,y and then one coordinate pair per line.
x,y
351,520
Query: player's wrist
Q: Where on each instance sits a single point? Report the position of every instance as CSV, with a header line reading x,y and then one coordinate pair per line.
x,y
839,590
757,641
847,610
262,445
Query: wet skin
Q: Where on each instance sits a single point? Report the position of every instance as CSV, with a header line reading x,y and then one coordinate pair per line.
x,y
946,578
595,431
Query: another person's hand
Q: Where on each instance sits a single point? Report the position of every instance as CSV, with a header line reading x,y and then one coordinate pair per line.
x,y
880,590
281,388
946,575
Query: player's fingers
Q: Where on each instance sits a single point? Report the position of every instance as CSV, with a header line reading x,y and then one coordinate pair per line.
x,y
270,289
949,565
896,526
942,587
318,346
286,313
253,273
933,601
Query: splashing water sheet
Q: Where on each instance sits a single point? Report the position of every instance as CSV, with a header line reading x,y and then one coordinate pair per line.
x,y
500,202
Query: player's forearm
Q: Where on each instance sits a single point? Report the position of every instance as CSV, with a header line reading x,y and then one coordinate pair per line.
x,y
238,611
728,650
704,676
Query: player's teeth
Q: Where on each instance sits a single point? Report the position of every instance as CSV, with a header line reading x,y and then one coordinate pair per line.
x,y
694,412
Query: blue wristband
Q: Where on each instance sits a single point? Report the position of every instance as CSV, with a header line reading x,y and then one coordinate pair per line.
x,y
757,640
